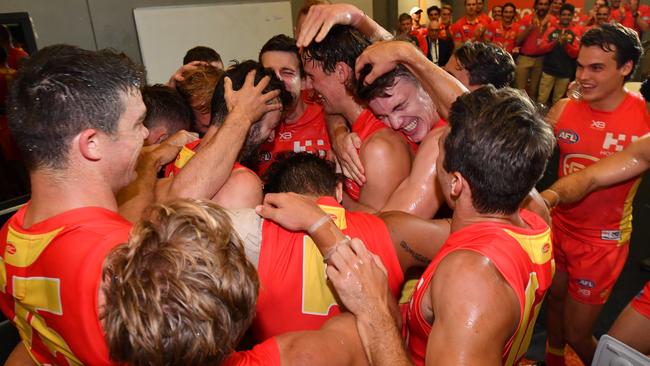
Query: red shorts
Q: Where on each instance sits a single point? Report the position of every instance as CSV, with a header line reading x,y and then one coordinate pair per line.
x,y
592,268
641,302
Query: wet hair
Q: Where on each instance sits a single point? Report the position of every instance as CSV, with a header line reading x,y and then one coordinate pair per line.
x,y
500,144
302,173
342,44
181,291
201,53
625,42
237,74
63,90
486,64
366,93
167,108
282,43
568,7
198,86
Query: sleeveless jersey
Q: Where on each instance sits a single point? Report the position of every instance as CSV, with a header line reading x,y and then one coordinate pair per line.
x,y
266,353
524,259
585,136
187,153
309,133
294,293
50,277
530,45
502,36
465,30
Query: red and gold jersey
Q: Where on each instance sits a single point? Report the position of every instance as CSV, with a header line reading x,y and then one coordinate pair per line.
x,y
468,30
626,17
502,35
584,136
294,293
307,134
50,276
266,353
421,35
187,153
530,47
524,259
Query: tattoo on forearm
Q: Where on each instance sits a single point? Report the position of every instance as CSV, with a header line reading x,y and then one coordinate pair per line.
x,y
417,256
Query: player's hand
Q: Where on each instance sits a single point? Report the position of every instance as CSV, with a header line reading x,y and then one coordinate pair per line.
x,y
384,57
321,18
178,75
159,154
181,138
346,147
250,101
359,277
292,211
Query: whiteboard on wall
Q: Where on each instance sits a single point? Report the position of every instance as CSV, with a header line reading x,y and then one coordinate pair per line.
x,y
236,31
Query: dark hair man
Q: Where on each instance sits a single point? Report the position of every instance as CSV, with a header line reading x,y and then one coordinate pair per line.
x,y
243,188
503,32
605,120
167,113
303,125
329,67
433,12
77,118
530,60
562,42
205,54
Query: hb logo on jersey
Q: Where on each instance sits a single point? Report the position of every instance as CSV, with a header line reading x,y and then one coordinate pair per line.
x,y
617,141
308,147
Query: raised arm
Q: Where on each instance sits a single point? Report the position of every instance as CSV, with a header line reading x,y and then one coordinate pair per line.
x,y
442,87
206,173
475,311
321,18
624,165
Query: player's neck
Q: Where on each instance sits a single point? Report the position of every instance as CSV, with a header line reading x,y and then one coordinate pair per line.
x,y
466,215
351,110
296,113
611,102
55,194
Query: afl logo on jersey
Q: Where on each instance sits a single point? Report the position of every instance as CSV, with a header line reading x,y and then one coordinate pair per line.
x,y
568,137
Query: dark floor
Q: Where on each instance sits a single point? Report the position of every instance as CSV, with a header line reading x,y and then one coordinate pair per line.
x,y
633,277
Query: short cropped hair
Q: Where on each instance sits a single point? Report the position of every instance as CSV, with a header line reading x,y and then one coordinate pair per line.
x,y
302,173
432,8
486,64
342,44
181,291
404,16
198,86
500,144
627,46
63,90
568,7
201,53
166,107
237,74
365,93
282,43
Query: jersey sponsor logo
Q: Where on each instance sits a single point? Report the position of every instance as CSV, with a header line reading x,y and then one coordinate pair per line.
x,y
618,142
568,136
612,235
576,162
584,292
11,249
585,283
598,125
284,136
546,248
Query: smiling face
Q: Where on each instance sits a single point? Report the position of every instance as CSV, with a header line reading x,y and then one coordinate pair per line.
x,y
126,142
407,108
602,15
598,75
509,14
286,67
542,8
445,16
327,86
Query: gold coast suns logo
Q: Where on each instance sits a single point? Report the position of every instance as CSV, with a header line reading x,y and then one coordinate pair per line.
x,y
576,162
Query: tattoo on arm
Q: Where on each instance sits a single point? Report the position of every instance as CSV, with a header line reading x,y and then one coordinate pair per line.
x,y
417,256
